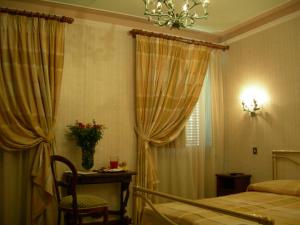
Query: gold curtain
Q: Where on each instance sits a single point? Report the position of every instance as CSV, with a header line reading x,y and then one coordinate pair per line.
x,y
169,77
31,63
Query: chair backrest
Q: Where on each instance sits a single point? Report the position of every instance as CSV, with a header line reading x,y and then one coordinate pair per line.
x,y
70,186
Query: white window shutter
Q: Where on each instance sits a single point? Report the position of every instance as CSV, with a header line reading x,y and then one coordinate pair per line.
x,y
192,128
198,127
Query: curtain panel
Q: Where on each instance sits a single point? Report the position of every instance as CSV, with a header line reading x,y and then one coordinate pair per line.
x,y
169,77
181,165
214,156
31,63
188,171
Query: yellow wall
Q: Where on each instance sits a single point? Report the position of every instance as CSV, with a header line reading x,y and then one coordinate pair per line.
x,y
270,58
98,84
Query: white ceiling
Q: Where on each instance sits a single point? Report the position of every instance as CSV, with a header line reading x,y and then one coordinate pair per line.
x,y
223,14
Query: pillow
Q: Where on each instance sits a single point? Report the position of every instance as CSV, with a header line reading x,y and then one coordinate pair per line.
x,y
284,187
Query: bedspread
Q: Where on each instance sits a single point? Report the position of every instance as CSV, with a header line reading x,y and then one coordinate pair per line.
x,y
283,209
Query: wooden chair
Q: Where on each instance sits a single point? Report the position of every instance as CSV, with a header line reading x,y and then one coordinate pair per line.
x,y
76,206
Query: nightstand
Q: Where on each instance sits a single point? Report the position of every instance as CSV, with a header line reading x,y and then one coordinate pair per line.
x,y
232,183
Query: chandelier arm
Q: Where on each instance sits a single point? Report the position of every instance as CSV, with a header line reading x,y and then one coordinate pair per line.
x,y
154,14
161,22
194,4
193,17
170,10
164,23
169,7
157,20
182,14
200,17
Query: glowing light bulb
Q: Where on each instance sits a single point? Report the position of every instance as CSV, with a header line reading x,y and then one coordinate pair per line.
x,y
185,8
253,98
159,5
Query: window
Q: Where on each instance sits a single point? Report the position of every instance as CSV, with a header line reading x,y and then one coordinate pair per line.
x,y
192,128
198,127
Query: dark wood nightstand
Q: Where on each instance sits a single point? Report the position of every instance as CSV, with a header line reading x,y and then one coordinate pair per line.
x,y
232,183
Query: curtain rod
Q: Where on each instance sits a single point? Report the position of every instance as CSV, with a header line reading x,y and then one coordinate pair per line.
x,y
134,32
37,14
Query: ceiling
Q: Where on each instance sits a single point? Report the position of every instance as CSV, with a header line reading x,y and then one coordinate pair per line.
x,y
223,14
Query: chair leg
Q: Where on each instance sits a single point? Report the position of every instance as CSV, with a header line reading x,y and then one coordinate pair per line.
x,y
58,217
79,220
105,217
71,219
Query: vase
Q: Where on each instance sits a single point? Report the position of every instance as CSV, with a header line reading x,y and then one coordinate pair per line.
x,y
88,158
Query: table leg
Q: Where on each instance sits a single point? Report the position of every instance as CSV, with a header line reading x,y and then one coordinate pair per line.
x,y
123,202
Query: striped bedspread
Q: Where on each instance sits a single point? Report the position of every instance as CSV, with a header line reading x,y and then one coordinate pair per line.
x,y
282,208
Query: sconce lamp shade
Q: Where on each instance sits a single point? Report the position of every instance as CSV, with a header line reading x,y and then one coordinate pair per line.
x,y
253,98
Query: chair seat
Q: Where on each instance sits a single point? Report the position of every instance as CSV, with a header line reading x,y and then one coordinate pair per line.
x,y
83,202
86,205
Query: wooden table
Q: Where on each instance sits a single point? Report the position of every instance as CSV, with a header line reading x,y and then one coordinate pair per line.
x,y
123,177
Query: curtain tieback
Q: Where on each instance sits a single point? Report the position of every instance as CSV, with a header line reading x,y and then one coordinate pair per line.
x,y
49,138
149,140
141,135
145,138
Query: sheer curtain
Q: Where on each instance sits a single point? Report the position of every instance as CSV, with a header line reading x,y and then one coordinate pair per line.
x,y
214,154
181,166
188,167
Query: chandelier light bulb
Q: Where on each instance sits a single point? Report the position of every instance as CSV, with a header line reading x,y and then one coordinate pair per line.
x,y
185,7
170,4
205,2
159,6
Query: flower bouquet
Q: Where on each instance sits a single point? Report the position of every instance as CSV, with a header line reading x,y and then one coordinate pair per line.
x,y
86,136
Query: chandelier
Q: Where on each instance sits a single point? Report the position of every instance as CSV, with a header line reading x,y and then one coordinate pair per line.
x,y
164,12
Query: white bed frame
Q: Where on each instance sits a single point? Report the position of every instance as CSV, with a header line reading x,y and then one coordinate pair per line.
x,y
287,155
139,192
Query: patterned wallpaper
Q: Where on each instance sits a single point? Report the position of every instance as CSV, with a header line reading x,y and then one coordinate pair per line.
x,y
269,58
98,83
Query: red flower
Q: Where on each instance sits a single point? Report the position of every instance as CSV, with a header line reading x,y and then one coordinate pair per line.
x,y
86,135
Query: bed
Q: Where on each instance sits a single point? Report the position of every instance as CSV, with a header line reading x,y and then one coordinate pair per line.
x,y
270,202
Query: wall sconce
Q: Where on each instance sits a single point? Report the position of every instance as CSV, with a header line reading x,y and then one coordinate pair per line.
x,y
253,98
251,108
